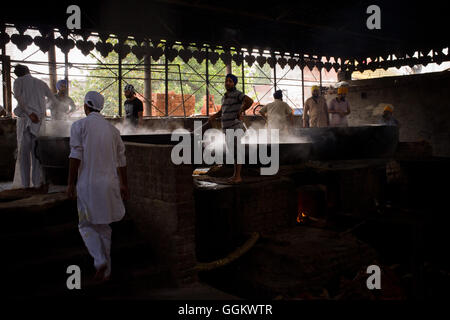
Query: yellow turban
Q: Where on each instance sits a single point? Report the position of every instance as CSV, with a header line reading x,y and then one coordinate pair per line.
x,y
314,88
342,90
388,108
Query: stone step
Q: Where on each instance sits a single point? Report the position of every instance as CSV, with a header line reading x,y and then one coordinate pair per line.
x,y
34,275
125,283
47,239
37,211
52,237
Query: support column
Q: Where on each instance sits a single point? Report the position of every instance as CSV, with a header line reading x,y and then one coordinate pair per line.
x,y
120,85
66,70
166,82
275,75
320,80
229,68
243,76
147,86
6,78
52,63
303,87
207,81
303,91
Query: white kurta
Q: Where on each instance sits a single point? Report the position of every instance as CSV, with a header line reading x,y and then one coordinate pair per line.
x,y
98,145
30,93
277,114
31,96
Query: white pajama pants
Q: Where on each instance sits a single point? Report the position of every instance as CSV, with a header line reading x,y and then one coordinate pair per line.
x,y
28,160
97,238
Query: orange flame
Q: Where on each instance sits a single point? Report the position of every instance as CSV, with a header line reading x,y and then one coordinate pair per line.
x,y
301,217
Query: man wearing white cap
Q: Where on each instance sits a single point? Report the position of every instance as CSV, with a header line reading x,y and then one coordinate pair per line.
x,y
97,158
63,104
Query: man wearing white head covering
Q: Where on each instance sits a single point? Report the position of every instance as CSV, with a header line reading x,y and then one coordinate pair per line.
x,y
30,94
97,158
63,104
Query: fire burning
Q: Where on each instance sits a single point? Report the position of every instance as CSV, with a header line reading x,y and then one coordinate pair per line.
x,y
302,217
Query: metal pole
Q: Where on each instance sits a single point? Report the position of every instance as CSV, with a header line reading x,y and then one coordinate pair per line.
x,y
6,77
66,71
303,88
207,82
320,80
5,99
66,68
182,93
229,69
148,86
275,77
166,82
119,78
52,63
243,76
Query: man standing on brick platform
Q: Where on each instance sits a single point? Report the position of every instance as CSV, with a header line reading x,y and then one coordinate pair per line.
x,y
97,158
234,104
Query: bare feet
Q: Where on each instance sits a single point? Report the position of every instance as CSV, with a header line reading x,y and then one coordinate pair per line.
x,y
234,180
100,274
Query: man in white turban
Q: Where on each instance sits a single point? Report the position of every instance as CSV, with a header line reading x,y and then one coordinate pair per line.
x,y
63,104
97,159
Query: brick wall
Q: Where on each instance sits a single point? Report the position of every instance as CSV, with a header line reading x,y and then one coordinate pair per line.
x,y
421,104
227,214
175,104
8,143
162,205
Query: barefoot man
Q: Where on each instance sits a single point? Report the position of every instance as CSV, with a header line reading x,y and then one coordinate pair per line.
x,y
234,104
97,160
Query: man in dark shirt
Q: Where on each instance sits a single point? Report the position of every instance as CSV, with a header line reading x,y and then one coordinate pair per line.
x,y
133,106
234,104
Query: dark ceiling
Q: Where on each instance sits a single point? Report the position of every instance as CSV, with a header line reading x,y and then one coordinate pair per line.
x,y
335,28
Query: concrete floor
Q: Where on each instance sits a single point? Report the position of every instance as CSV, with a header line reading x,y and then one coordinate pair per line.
x,y
198,291
6,185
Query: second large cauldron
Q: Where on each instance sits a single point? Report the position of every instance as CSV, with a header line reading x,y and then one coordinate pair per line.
x,y
331,143
345,143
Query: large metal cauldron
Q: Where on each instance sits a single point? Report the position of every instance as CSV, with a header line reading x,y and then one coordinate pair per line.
x,y
288,153
155,138
363,142
53,154
332,143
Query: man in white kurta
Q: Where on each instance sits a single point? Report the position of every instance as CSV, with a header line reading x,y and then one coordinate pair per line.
x,y
277,113
98,158
31,94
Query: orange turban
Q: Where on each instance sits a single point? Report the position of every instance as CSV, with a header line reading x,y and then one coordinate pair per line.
x,y
342,90
388,108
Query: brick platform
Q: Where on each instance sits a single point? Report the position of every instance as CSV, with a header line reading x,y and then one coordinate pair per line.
x,y
162,205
